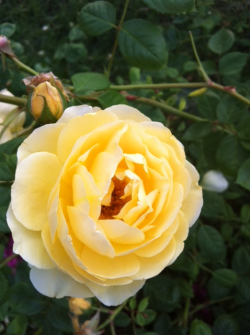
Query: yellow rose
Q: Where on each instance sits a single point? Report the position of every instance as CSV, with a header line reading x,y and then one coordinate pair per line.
x,y
11,122
102,201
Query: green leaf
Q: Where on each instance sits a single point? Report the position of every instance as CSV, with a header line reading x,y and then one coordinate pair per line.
x,y
59,318
210,142
132,303
143,305
162,324
230,150
5,194
228,110
134,75
243,177
245,213
213,204
10,147
111,98
18,326
198,327
140,319
4,228
211,242
232,63
221,41
7,29
25,299
163,293
225,277
207,104
89,81
244,288
4,288
241,260
72,52
225,325
185,288
149,315
216,291
122,320
171,6
75,34
142,45
197,130
96,18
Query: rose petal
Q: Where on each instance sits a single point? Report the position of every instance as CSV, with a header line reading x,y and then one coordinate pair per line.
x,y
56,284
35,178
28,244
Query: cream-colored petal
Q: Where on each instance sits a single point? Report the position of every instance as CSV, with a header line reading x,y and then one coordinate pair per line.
x,y
193,172
75,111
42,139
56,284
191,206
5,108
111,268
89,232
124,112
35,178
119,232
80,197
28,244
6,135
115,295
178,250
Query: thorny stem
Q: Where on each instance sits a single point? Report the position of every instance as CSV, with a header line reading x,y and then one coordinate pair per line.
x,y
23,66
116,38
204,75
13,100
209,303
228,90
113,315
168,109
7,260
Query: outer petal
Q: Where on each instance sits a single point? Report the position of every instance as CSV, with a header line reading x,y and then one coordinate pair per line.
x,y
115,295
54,283
43,139
35,178
124,112
74,111
28,244
191,206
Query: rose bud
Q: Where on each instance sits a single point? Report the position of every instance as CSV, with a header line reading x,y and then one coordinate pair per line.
x,y
214,181
47,98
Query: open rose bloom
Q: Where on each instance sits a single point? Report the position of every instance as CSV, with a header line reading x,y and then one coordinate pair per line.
x,y
102,201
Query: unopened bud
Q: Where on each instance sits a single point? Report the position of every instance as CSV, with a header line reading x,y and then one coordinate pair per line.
x,y
5,47
47,98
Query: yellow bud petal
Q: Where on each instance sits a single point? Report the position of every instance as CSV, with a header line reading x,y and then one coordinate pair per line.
x,y
77,305
195,93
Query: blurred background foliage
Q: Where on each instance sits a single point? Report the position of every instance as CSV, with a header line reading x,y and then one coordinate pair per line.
x,y
207,290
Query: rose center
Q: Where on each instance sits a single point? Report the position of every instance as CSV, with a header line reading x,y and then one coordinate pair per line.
x,y
116,204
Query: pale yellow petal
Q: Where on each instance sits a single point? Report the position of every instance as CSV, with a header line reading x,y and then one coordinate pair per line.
x,y
124,112
28,244
42,139
192,205
56,284
119,232
106,267
115,295
35,178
